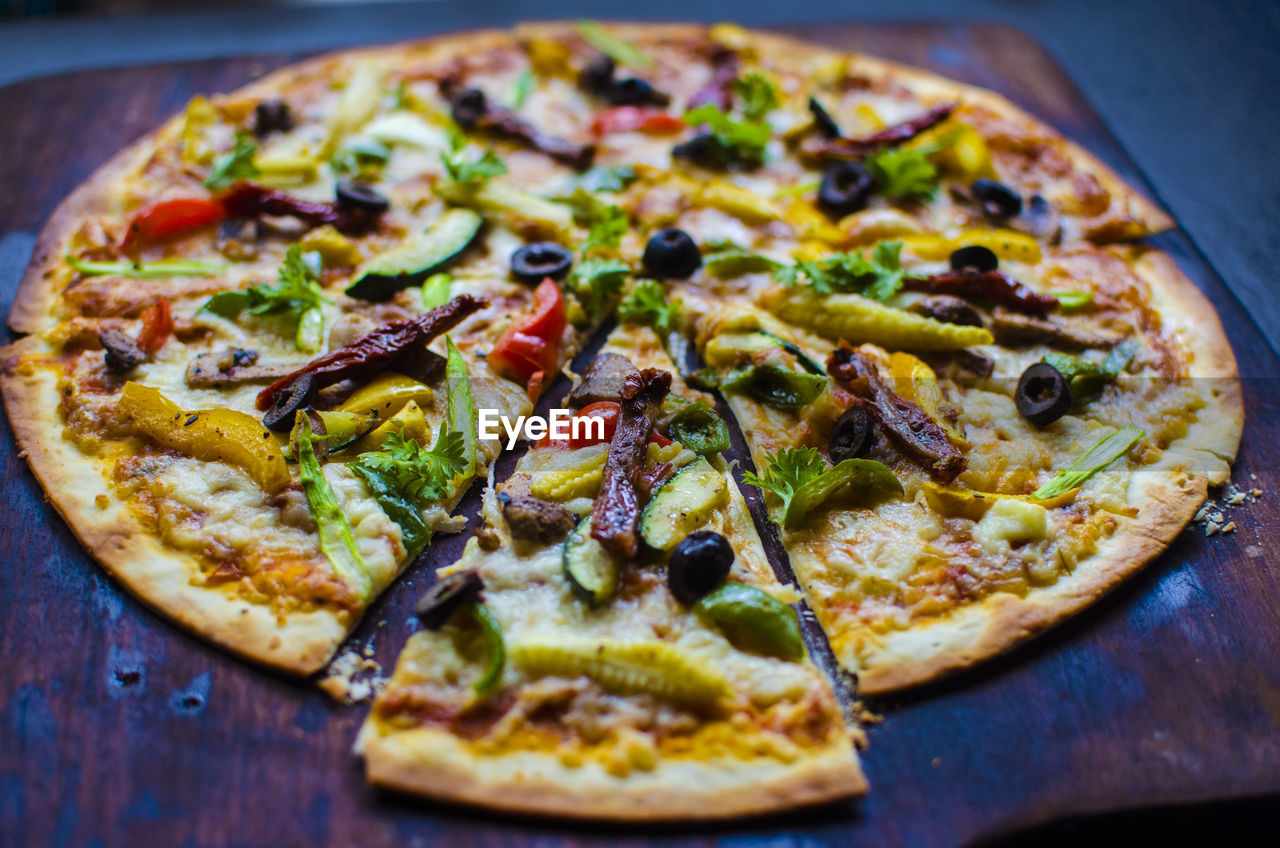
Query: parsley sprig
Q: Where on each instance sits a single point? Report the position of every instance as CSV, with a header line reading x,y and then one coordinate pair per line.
x,y
904,172
648,304
424,474
464,169
757,95
730,141
596,279
803,481
235,164
297,297
877,277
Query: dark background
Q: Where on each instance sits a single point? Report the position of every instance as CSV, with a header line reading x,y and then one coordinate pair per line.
x,y
1187,88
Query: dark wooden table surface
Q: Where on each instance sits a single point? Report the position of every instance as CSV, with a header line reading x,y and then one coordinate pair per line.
x,y
118,729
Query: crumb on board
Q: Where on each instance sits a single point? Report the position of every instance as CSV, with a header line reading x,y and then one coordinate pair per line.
x,y
353,678
1212,516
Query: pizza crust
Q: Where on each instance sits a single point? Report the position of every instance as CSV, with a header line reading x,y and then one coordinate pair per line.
x,y
297,642
436,764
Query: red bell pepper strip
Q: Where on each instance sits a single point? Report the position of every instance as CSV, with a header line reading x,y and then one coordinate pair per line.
x,y
157,326
377,350
529,350
168,218
631,118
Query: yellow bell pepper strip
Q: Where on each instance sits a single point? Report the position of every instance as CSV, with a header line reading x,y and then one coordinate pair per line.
x,y
915,381
741,203
959,150
462,406
387,394
410,419
1007,245
1094,460
335,249
214,435
287,170
336,539
860,319
967,503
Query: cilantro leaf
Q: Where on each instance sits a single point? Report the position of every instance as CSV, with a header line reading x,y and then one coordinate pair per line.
x,y
463,169
803,482
877,278
648,304
757,95
606,231
596,281
612,178
732,141
236,164
297,294
424,474
904,172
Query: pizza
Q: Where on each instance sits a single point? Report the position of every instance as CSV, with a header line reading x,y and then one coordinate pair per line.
x,y
262,347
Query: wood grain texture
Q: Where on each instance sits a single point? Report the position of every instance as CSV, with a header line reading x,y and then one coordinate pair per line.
x,y
118,729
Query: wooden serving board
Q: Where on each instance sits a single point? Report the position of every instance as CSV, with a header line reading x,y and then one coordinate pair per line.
x,y
119,729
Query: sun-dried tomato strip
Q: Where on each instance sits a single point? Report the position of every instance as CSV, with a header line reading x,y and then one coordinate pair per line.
x,y
856,148
912,429
995,286
380,348
617,507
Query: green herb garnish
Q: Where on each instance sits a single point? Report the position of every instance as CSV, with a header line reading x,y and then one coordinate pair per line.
x,y
297,297
803,481
596,281
757,95
424,474
463,169
649,305
903,172
878,277
236,164
733,142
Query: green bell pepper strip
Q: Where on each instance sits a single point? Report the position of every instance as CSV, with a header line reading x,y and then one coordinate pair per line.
x,y
336,539
777,387
697,427
151,271
462,405
1094,460
753,620
497,649
858,473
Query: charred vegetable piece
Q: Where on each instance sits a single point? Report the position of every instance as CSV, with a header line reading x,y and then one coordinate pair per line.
x,y
592,570
778,387
910,427
605,380
1013,330
700,429
472,110
418,257
1043,395
754,621
1087,378
852,434
378,350
597,75
633,91
617,507
447,596
857,148
646,668
683,504
947,309
121,353
994,286
1097,458
335,430
535,520
336,539
230,367
700,562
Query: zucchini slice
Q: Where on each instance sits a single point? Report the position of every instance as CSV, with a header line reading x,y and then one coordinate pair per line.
x,y
421,255
592,570
683,504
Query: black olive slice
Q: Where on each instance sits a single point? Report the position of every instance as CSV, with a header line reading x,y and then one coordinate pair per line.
x,y
443,599
698,564
996,198
362,197
533,263
297,395
702,149
633,91
852,434
597,74
468,107
271,116
974,256
845,189
822,120
1043,394
671,253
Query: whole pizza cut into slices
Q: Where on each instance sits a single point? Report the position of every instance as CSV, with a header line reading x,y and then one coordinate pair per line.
x,y
613,644
257,347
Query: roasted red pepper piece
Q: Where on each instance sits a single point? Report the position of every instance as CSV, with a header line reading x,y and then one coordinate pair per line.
x,y
531,345
856,148
632,118
168,218
995,286
610,412
617,507
915,433
249,200
379,349
157,326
